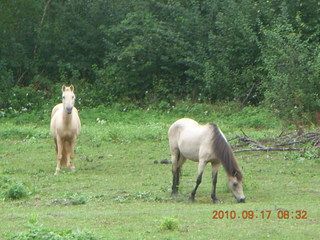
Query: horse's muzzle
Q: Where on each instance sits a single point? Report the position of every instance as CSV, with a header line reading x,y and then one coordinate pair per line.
x,y
69,110
241,200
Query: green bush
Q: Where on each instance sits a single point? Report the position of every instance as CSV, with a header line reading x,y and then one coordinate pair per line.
x,y
21,99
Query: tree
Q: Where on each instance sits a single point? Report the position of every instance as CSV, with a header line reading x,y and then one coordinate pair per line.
x,y
292,67
232,70
148,52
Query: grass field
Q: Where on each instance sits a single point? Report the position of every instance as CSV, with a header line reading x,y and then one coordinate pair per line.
x,y
117,192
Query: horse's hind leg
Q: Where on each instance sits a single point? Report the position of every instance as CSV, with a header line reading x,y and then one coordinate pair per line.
x,y
201,167
175,172
177,162
214,183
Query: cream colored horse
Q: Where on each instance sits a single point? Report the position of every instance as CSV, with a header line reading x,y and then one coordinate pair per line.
x,y
65,127
203,144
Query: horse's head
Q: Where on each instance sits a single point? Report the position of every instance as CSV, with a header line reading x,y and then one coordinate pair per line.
x,y
68,98
235,186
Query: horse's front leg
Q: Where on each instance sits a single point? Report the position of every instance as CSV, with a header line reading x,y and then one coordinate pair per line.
x,y
201,166
59,148
214,183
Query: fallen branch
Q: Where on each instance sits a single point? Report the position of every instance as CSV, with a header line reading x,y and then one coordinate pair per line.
x,y
269,149
280,143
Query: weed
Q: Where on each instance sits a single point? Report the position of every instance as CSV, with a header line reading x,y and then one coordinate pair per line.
x,y
12,190
170,224
15,192
124,198
249,182
8,171
127,196
38,232
143,195
309,153
77,199
115,135
71,199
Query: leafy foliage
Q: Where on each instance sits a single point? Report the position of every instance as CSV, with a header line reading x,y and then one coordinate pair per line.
x,y
292,87
160,52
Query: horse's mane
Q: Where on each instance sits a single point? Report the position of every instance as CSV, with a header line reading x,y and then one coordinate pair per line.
x,y
224,153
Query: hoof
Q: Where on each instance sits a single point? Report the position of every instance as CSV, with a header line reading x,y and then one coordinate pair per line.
x,y
241,200
72,169
57,171
216,201
174,195
191,199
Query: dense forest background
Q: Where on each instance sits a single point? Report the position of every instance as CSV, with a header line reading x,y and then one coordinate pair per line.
x,y
161,51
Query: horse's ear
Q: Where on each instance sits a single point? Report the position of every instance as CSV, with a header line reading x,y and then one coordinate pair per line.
x,y
71,88
63,88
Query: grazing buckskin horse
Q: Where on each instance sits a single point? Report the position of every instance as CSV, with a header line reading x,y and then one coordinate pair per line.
x,y
203,144
65,127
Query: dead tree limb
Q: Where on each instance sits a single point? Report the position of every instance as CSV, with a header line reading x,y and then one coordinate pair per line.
x,y
290,141
269,149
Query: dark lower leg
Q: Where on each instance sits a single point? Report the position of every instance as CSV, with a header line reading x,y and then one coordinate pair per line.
x,y
175,182
214,184
195,188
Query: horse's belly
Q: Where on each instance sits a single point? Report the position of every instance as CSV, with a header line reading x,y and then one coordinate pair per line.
x,y
189,151
195,145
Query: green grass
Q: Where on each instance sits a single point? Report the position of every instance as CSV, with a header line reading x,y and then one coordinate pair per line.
x,y
117,192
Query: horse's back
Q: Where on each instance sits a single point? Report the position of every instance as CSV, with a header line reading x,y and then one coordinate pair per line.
x,y
188,128
182,124
188,137
178,126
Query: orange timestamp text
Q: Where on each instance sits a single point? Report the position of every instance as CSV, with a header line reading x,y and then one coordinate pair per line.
x,y
264,214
